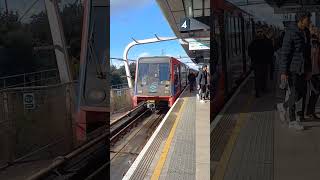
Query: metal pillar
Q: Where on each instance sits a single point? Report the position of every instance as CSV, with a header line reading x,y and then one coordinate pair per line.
x,y
58,40
94,91
139,42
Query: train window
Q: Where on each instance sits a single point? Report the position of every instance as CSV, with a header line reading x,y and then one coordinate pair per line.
x,y
233,38
143,73
72,26
164,72
240,36
229,37
25,35
176,78
235,34
153,78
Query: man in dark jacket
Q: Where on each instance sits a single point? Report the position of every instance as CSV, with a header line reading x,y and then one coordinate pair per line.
x,y
295,66
261,52
203,81
191,78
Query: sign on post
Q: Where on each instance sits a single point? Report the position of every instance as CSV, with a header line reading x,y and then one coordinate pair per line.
x,y
28,100
198,44
294,9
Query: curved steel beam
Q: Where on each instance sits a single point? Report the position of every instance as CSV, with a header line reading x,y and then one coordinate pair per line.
x,y
140,42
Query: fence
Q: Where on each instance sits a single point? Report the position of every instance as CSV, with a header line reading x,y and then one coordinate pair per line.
x,y
121,100
38,126
39,78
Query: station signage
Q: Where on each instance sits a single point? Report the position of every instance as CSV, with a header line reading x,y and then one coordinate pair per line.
x,y
294,9
29,101
190,24
198,44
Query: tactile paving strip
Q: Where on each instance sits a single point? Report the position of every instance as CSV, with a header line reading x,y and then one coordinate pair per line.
x,y
146,161
182,161
252,157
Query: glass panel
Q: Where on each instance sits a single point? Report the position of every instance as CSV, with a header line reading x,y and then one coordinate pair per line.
x,y
153,79
71,12
164,72
25,38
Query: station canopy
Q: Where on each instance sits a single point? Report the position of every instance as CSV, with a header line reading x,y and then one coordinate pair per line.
x,y
292,6
199,10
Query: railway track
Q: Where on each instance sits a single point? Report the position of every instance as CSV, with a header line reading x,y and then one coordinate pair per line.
x,y
124,152
91,160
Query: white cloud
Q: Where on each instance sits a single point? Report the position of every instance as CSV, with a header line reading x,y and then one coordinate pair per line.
x,y
144,54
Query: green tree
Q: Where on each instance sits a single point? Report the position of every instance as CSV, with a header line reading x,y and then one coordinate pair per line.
x,y
115,76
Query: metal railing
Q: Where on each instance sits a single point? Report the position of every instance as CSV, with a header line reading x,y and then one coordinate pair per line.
x,y
119,86
24,136
39,78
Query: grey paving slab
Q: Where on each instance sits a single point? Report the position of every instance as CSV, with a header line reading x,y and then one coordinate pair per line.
x,y
182,158
266,149
252,153
252,156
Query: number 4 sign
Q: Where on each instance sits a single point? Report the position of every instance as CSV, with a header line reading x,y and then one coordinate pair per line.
x,y
191,24
185,24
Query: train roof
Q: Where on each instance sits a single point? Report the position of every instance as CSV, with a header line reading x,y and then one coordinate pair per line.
x,y
169,57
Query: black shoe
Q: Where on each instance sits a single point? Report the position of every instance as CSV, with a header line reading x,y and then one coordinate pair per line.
x,y
258,95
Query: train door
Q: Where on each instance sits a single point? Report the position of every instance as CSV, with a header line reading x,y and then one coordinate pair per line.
x,y
243,46
179,77
219,66
175,77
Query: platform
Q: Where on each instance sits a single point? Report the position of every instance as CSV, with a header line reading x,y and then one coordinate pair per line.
x,y
249,142
180,146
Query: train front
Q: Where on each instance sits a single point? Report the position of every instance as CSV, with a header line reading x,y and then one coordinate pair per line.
x,y
153,82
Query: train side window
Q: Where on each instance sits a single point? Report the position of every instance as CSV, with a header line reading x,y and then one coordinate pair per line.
x,y
235,35
228,35
239,35
176,76
232,37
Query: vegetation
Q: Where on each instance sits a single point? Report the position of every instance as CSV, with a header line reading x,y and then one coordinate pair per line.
x,y
26,44
118,75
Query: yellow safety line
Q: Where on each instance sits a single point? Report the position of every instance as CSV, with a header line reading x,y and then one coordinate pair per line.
x,y
165,151
223,163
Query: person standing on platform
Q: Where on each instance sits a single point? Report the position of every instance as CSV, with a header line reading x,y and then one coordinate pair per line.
x,y
191,79
315,79
270,38
295,67
203,81
260,51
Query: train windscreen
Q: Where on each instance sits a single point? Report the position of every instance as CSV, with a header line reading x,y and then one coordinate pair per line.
x,y
153,79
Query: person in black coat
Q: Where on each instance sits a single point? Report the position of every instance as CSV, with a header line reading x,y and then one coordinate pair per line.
x,y
261,53
203,82
191,78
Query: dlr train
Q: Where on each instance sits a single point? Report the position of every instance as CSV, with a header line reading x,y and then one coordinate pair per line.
x,y
159,81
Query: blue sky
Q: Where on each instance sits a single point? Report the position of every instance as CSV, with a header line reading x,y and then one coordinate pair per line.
x,y
140,19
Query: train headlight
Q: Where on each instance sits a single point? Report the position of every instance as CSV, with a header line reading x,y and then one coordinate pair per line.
x,y
96,96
